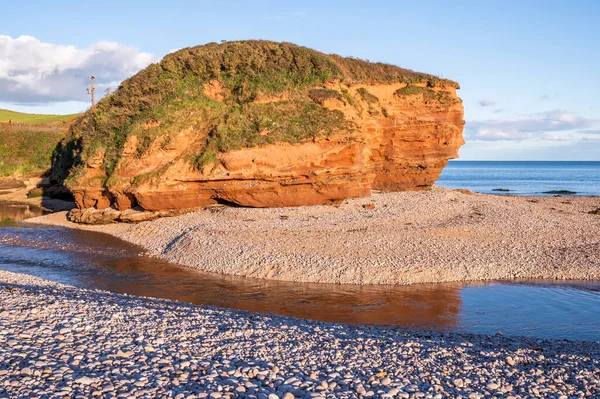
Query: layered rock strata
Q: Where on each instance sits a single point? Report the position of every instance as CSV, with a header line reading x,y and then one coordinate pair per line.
x,y
388,136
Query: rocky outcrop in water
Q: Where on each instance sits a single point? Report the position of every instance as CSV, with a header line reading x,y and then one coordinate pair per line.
x,y
260,124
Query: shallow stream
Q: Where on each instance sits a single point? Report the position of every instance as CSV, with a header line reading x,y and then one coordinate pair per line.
x,y
92,260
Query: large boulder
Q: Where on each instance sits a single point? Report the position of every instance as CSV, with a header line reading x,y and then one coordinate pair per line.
x,y
260,124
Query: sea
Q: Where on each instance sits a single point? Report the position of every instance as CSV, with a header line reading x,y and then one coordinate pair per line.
x,y
523,177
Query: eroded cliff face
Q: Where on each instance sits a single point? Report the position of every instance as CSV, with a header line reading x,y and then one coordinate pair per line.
x,y
258,124
401,137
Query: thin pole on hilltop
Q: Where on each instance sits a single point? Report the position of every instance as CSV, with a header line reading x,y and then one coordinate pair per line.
x,y
90,90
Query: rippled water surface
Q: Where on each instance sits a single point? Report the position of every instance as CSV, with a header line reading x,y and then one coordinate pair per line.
x,y
92,260
523,177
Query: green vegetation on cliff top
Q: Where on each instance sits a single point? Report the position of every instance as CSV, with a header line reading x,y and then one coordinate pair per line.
x,y
169,96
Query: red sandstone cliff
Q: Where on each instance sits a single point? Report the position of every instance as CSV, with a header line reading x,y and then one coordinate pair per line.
x,y
401,142
391,137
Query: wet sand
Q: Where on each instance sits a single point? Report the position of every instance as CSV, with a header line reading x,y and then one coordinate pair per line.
x,y
441,235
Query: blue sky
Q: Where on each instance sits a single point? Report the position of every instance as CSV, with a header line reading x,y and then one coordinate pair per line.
x,y
528,70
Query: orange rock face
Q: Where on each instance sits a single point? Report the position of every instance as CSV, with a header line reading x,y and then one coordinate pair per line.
x,y
399,142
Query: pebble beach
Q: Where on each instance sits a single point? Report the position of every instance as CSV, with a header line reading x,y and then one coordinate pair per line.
x,y
441,235
58,341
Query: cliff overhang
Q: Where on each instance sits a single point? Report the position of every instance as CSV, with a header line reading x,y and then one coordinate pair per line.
x,y
260,124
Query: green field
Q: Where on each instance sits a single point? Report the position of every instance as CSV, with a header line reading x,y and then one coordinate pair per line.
x,y
26,145
19,117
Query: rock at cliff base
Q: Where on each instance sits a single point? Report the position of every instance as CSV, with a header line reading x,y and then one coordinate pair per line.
x,y
560,192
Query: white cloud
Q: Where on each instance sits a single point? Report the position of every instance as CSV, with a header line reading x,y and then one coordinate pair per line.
x,y
492,134
35,72
532,150
535,126
588,131
487,103
556,137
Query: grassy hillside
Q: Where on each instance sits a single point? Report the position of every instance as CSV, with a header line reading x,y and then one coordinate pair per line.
x,y
19,117
169,96
26,145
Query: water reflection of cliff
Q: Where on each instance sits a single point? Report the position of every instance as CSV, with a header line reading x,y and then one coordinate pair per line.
x,y
421,306
16,213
